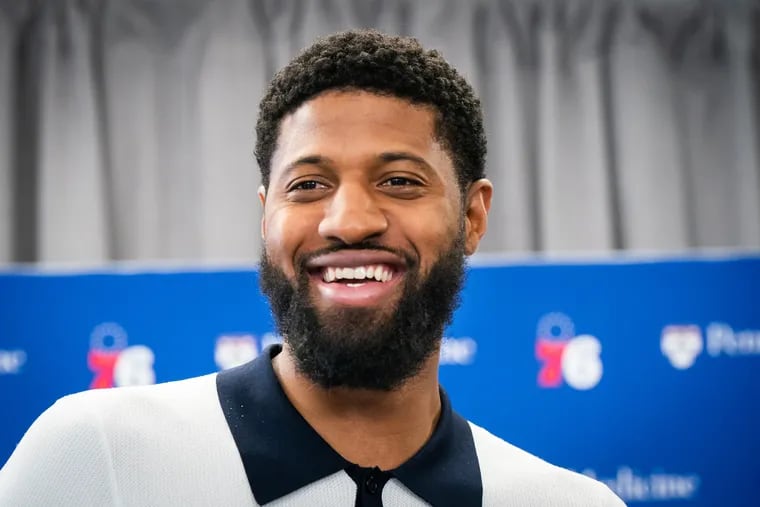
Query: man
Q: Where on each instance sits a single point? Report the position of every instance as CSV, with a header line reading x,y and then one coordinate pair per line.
x,y
371,152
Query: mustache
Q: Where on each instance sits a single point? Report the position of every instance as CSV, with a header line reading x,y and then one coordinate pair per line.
x,y
302,259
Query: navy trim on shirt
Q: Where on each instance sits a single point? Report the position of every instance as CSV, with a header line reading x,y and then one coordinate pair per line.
x,y
281,453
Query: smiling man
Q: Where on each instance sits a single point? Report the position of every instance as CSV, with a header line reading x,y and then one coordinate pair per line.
x,y
372,156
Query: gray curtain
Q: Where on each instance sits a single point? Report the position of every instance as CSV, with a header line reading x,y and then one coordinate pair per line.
x,y
126,126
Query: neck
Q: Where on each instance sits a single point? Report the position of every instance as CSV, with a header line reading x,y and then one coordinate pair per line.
x,y
367,427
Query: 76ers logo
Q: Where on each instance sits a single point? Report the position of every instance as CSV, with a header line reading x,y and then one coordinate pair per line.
x,y
576,359
116,364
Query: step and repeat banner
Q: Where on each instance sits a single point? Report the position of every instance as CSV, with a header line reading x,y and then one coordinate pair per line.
x,y
643,374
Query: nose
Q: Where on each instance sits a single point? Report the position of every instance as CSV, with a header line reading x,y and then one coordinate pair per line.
x,y
352,216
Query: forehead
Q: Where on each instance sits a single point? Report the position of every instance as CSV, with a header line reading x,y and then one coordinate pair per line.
x,y
349,124
338,109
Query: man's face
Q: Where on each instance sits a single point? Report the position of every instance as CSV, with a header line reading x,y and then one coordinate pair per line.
x,y
365,233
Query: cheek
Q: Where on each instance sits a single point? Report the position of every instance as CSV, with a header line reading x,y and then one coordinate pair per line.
x,y
432,237
284,234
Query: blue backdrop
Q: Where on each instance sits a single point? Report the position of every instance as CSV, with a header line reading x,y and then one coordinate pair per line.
x,y
643,374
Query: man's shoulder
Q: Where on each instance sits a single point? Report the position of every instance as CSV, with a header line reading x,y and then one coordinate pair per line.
x,y
129,445
149,407
129,422
509,472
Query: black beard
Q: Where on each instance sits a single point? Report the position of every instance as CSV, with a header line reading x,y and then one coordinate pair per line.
x,y
364,348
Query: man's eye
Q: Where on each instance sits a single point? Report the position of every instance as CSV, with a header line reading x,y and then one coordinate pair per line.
x,y
307,185
398,181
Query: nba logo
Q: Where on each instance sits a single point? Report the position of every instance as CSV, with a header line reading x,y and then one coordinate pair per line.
x,y
235,349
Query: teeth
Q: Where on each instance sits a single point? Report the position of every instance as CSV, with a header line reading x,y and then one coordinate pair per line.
x,y
380,273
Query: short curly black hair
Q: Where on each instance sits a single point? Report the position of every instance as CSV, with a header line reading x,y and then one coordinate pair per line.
x,y
387,65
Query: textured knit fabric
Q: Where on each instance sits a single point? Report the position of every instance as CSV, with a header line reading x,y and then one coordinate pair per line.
x,y
172,445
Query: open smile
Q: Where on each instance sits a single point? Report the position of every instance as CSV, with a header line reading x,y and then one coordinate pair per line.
x,y
356,278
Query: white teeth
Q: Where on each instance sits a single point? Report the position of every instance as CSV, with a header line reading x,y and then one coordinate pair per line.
x,y
380,273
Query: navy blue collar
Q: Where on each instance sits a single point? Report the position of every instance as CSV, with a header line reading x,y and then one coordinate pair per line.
x,y
281,453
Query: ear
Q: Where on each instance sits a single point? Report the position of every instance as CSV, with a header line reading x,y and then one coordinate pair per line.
x,y
477,203
262,192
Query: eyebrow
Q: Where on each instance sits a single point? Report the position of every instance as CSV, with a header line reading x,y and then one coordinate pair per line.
x,y
393,156
318,160
386,157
